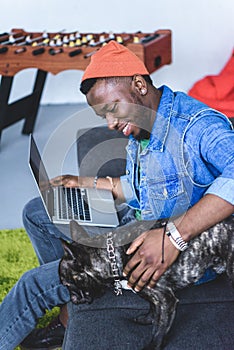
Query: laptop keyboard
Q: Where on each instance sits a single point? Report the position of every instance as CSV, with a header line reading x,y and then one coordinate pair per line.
x,y
73,204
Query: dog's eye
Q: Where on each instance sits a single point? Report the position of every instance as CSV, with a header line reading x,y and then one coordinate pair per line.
x,y
75,276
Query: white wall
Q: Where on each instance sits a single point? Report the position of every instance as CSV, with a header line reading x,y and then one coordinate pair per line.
x,y
203,33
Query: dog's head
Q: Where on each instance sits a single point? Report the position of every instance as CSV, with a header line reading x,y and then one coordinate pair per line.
x,y
76,272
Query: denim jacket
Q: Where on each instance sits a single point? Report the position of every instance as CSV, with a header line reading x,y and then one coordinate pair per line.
x,y
190,154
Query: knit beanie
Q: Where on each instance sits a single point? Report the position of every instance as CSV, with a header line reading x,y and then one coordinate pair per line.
x,y
114,60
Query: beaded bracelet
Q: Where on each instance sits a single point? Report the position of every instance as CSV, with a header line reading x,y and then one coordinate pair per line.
x,y
175,237
95,182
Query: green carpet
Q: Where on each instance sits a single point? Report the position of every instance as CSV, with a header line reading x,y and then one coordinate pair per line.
x,y
16,257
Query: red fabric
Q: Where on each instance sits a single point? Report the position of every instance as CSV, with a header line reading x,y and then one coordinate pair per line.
x,y
114,60
217,91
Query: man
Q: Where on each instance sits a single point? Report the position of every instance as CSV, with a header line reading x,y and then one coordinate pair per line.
x,y
180,167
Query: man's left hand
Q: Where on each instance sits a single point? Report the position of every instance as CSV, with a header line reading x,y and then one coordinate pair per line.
x,y
146,266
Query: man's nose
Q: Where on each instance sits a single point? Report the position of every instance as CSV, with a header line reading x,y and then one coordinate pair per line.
x,y
111,121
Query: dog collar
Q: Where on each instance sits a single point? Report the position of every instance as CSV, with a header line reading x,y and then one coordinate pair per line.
x,y
113,263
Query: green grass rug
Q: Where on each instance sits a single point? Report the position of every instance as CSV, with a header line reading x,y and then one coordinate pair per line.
x,y
16,257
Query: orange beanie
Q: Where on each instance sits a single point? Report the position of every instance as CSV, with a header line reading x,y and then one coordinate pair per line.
x,y
114,60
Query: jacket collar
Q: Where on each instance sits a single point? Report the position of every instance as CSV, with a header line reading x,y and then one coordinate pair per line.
x,y
162,121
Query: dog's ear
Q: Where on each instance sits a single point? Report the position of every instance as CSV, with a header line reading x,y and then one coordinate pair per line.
x,y
69,249
77,231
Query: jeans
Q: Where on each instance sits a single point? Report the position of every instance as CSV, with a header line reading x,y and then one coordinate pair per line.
x,y
38,289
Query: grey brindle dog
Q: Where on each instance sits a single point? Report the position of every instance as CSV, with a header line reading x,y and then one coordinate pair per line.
x,y
86,268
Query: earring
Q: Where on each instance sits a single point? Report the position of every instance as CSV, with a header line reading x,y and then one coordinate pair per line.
x,y
143,91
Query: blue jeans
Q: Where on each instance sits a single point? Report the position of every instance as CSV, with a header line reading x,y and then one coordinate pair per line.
x,y
38,289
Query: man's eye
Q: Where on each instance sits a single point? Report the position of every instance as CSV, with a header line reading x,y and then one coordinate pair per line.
x,y
113,109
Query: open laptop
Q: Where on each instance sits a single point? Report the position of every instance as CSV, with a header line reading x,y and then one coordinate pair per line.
x,y
88,206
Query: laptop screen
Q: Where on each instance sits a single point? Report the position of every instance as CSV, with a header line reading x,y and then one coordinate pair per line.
x,y
40,175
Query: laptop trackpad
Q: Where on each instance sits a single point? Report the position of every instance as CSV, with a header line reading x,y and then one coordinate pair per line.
x,y
103,206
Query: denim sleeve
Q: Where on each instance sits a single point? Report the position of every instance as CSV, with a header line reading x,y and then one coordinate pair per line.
x,y
217,149
127,189
223,188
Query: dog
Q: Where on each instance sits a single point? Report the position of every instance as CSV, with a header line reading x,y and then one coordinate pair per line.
x,y
87,271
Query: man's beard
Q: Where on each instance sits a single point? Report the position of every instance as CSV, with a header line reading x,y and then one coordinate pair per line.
x,y
143,135
145,120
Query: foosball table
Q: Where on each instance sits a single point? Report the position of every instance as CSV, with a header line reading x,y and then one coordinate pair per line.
x,y
56,52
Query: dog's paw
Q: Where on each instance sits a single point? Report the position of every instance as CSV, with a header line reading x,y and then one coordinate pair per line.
x,y
144,319
80,297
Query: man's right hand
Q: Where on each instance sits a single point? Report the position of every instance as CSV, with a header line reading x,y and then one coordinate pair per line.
x,y
88,182
66,181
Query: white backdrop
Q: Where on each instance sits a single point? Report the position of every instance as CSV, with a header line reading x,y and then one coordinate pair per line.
x,y
203,36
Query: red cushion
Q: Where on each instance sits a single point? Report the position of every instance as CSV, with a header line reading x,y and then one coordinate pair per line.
x,y
217,91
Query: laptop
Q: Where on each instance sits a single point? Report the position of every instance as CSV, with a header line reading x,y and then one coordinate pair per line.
x,y
87,206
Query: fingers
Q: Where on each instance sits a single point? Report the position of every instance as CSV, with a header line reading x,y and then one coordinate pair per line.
x,y
138,271
57,181
136,243
137,257
141,274
157,274
138,284
70,181
131,264
145,267
65,180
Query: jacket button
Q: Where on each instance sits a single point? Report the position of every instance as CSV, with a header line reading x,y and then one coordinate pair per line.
x,y
127,172
146,212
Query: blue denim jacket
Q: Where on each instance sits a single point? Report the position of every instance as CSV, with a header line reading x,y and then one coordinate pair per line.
x,y
190,154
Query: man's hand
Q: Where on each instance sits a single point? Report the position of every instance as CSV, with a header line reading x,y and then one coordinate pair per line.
x,y
146,266
65,180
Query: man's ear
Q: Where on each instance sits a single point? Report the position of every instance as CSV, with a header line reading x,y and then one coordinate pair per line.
x,y
139,84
